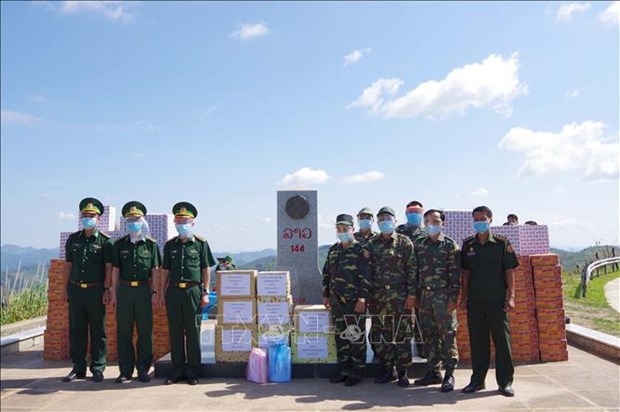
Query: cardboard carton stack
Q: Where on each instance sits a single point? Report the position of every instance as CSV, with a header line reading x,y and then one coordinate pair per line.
x,y
274,308
547,274
235,332
313,340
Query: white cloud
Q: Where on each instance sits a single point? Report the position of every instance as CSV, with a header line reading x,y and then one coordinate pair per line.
x,y
66,216
611,15
303,178
577,146
111,10
250,31
11,117
266,220
480,192
364,177
567,11
355,56
493,82
572,93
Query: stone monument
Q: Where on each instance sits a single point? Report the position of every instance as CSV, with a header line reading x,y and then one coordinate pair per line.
x,y
298,244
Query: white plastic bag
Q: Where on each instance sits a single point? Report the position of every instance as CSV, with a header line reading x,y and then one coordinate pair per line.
x,y
256,369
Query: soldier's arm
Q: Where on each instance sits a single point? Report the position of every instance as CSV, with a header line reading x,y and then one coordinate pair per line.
x,y
410,270
326,274
155,265
67,270
364,275
510,262
454,272
108,248
465,273
206,262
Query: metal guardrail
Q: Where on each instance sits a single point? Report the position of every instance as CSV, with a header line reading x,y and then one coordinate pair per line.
x,y
587,274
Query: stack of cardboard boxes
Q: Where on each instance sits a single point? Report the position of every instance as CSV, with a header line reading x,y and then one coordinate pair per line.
x,y
274,307
313,340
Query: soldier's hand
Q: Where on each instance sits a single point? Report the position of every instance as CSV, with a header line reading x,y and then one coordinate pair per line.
x,y
360,307
510,304
205,300
106,297
326,303
154,300
113,299
451,306
410,303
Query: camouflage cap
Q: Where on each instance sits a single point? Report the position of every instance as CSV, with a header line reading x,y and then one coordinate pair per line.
x,y
184,209
91,205
386,209
365,211
344,219
226,258
133,208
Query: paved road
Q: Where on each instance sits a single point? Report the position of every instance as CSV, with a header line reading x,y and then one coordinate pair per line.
x,y
584,383
612,293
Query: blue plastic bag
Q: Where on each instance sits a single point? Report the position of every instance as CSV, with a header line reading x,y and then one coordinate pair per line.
x,y
279,363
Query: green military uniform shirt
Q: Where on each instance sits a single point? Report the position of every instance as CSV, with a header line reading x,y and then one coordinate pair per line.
x,y
346,272
392,262
88,256
487,265
413,233
438,265
185,260
359,236
135,261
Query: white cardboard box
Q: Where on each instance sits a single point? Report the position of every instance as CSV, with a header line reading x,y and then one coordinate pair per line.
x,y
236,283
273,283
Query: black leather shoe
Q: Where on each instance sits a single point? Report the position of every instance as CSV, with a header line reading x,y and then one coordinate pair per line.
x,y
448,383
352,381
192,381
403,380
143,377
507,390
171,381
338,378
388,376
473,387
73,375
431,378
97,376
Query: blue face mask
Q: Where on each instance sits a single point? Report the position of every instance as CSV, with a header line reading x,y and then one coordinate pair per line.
x,y
184,230
89,222
433,230
386,226
414,219
481,227
134,227
365,224
345,237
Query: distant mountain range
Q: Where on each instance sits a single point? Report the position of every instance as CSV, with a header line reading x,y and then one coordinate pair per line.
x,y
30,259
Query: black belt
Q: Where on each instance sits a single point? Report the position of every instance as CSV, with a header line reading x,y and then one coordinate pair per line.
x,y
135,283
185,285
85,285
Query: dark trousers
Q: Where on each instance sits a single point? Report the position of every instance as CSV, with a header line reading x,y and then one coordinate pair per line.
x,y
184,319
350,334
133,307
484,318
87,316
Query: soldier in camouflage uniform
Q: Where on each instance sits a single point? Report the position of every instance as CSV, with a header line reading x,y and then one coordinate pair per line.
x,y
346,284
413,229
393,297
438,277
365,219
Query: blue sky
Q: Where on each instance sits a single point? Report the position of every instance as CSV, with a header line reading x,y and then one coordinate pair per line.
x,y
511,105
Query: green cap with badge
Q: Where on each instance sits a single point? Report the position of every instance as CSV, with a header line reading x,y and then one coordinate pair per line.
x,y
344,219
133,209
184,209
91,205
365,211
386,209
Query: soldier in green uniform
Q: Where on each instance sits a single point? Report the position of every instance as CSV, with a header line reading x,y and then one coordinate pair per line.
x,y
186,277
136,260
438,274
365,219
226,263
488,294
87,276
346,284
393,297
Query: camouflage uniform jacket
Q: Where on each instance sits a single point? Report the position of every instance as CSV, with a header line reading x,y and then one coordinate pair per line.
x,y
438,265
346,272
365,239
393,262
413,233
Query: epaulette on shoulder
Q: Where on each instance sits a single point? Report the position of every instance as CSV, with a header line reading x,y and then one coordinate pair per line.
x,y
151,239
449,238
105,235
200,238
500,237
469,238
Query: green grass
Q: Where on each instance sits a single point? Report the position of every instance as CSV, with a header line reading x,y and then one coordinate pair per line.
x,y
26,304
592,311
